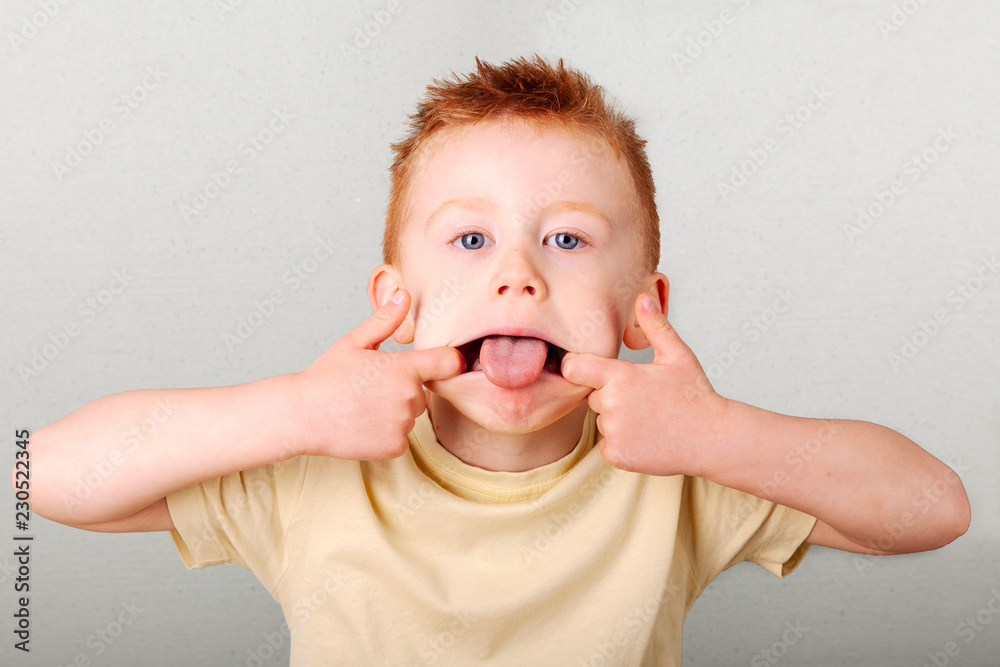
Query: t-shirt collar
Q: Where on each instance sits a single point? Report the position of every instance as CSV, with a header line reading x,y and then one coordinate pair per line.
x,y
489,486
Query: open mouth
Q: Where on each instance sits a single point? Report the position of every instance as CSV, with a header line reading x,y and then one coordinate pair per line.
x,y
471,350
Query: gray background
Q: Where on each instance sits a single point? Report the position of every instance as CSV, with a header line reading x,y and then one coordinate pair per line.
x,y
856,298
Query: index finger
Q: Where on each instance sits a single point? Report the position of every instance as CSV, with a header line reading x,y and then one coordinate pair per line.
x,y
435,363
588,370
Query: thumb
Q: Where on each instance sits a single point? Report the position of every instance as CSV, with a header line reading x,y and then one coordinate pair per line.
x,y
658,331
383,322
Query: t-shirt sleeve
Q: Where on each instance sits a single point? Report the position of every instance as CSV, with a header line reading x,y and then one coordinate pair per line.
x,y
720,527
241,518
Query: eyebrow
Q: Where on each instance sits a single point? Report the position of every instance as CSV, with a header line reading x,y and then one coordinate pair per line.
x,y
474,204
565,206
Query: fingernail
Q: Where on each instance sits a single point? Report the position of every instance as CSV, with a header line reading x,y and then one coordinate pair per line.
x,y
647,303
565,360
397,298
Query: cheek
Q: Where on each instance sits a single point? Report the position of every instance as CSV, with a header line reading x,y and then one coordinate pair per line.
x,y
438,311
599,328
617,322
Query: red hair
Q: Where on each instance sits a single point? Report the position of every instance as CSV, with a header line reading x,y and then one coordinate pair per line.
x,y
535,91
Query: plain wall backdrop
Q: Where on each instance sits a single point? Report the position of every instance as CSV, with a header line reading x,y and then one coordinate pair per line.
x,y
167,168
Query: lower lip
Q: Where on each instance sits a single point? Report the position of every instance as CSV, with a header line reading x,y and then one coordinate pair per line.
x,y
545,372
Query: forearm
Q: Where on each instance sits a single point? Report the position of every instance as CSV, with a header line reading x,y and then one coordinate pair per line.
x,y
119,454
872,485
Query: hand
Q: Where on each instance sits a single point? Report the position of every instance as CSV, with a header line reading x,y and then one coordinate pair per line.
x,y
661,418
360,403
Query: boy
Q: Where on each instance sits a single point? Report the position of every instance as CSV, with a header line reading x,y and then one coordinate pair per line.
x,y
540,502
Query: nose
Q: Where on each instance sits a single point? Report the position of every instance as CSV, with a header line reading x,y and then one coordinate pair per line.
x,y
517,275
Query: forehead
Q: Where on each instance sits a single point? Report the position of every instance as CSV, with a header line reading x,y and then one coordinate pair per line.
x,y
518,165
513,139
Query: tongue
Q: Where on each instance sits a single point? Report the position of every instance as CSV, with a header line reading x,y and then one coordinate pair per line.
x,y
512,361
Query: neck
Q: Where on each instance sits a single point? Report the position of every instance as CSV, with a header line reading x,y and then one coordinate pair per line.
x,y
478,446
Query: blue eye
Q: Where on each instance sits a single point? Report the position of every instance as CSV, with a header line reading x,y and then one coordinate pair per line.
x,y
471,241
565,241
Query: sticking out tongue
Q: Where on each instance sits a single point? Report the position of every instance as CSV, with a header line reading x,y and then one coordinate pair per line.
x,y
512,361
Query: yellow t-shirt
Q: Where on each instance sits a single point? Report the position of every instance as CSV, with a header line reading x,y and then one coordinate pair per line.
x,y
424,560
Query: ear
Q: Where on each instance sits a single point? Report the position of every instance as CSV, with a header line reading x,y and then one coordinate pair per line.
x,y
658,287
382,284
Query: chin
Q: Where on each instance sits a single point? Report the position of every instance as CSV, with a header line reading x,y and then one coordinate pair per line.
x,y
511,411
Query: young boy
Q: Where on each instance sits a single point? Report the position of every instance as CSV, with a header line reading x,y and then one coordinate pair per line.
x,y
540,502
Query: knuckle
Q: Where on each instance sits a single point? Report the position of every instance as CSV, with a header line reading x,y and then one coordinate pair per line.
x,y
382,314
413,406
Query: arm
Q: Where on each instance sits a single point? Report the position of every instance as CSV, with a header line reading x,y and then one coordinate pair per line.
x,y
871,489
110,465
106,465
